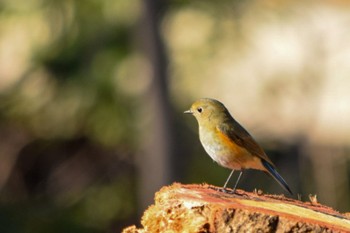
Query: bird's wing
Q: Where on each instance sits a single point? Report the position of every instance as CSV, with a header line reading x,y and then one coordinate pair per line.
x,y
242,138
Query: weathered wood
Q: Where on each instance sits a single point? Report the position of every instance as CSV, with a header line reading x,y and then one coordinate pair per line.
x,y
203,208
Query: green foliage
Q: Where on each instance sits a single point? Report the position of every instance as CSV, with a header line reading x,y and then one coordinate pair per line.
x,y
66,91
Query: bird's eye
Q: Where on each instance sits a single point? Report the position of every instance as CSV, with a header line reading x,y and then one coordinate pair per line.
x,y
199,110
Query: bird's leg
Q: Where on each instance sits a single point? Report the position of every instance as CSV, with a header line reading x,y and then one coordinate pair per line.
x,y
239,177
228,179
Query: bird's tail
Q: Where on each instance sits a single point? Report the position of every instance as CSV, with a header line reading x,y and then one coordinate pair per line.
x,y
272,171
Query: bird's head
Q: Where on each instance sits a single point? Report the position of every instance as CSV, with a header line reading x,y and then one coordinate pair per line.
x,y
208,110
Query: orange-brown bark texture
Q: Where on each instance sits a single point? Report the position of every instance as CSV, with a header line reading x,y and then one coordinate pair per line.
x,y
204,208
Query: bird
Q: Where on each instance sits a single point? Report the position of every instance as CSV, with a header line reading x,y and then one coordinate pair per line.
x,y
228,143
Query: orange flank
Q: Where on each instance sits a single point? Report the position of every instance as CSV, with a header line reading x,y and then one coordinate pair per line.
x,y
238,154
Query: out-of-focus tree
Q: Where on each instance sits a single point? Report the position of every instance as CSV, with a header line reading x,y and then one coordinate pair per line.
x,y
154,160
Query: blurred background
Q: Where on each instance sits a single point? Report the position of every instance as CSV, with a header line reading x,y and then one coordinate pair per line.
x,y
92,95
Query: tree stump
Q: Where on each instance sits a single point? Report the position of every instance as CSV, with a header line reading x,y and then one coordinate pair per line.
x,y
204,208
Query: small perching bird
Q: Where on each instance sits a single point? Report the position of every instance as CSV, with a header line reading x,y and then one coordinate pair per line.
x,y
228,143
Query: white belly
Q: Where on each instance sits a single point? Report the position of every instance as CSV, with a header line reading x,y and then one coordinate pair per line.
x,y
217,152
236,158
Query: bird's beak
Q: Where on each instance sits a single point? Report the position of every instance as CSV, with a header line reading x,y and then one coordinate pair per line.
x,y
188,111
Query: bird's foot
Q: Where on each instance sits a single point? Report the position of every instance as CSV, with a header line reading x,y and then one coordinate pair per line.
x,y
229,191
223,190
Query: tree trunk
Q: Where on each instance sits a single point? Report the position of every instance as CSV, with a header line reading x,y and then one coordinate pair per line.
x,y
204,208
158,143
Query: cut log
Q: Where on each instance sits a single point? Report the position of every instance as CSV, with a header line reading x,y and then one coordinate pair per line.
x,y
205,208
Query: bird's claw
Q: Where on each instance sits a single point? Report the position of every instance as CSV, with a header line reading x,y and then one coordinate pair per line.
x,y
223,190
228,191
